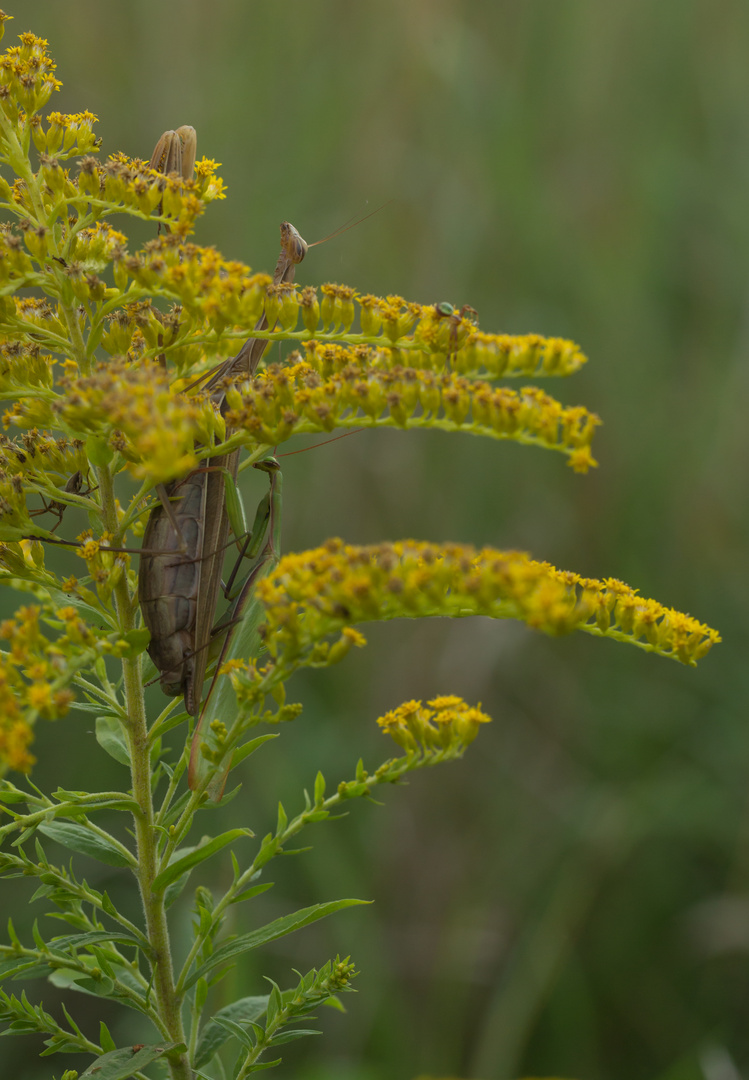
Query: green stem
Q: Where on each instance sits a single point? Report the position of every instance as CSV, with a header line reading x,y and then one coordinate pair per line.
x,y
399,766
146,834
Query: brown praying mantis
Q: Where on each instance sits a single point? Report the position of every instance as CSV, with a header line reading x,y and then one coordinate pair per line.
x,y
186,535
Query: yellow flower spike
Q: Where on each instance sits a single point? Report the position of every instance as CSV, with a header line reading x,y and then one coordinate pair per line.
x,y
317,593
344,386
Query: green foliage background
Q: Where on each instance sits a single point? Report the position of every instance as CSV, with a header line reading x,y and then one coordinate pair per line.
x,y
573,898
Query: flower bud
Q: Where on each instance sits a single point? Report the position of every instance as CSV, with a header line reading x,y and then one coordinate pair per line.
x,y
310,309
288,316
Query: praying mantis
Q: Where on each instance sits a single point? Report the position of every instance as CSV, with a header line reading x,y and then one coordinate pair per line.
x,y
184,543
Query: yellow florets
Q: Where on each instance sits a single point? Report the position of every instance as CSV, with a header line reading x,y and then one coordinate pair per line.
x,y
446,725
26,77
156,429
32,676
313,594
344,386
67,134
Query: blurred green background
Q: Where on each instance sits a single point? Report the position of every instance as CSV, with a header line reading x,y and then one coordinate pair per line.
x,y
573,898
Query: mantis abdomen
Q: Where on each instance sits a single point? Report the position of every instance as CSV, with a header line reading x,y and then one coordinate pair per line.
x,y
178,587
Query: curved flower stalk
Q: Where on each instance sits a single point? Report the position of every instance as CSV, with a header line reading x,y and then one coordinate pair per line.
x,y
102,374
316,593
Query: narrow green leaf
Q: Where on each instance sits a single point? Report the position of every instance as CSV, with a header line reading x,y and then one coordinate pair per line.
x,y
105,1038
275,1003
319,788
288,1036
213,1036
333,1003
111,738
166,725
80,839
10,794
270,932
250,747
93,937
68,979
237,1031
10,969
248,894
116,800
121,1064
199,855
260,1065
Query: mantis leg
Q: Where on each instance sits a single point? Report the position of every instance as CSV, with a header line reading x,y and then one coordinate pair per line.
x,y
242,639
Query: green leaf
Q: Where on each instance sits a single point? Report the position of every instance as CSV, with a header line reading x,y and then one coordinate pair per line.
x,y
99,453
275,1004
137,640
105,1038
80,839
288,1036
200,854
108,801
123,1063
110,737
213,1036
10,969
248,894
10,794
270,932
250,747
237,1031
68,979
319,788
170,722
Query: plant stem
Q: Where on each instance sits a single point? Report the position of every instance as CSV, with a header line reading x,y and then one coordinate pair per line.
x,y
136,730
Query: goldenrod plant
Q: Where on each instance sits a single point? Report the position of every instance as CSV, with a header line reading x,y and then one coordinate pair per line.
x,y
104,354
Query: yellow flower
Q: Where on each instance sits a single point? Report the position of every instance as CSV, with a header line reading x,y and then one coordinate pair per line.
x,y
317,593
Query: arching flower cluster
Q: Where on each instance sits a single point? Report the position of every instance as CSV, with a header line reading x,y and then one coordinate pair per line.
x,y
314,594
338,386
